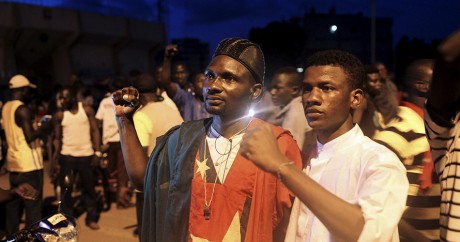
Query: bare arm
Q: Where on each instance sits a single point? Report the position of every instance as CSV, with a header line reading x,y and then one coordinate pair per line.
x,y
126,102
95,134
259,146
24,190
444,96
57,143
165,78
23,117
5,195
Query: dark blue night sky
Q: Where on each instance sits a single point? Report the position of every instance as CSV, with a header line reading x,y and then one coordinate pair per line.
x,y
213,20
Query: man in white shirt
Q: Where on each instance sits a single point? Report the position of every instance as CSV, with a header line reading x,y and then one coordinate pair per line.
x,y
111,145
354,189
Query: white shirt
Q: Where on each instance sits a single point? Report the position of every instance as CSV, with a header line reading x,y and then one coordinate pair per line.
x,y
106,114
223,151
76,133
362,172
168,101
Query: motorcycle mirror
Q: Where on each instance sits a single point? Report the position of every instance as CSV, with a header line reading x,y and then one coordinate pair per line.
x,y
67,184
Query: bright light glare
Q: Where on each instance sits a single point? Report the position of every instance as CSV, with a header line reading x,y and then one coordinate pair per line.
x,y
299,69
251,113
333,29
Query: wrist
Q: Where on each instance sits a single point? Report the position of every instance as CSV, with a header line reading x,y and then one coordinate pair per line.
x,y
13,192
280,171
98,154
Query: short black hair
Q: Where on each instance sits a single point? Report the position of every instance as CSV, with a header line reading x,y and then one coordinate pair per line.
x,y
145,83
71,89
414,66
297,77
371,69
351,65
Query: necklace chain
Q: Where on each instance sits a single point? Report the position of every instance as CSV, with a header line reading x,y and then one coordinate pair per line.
x,y
207,212
230,139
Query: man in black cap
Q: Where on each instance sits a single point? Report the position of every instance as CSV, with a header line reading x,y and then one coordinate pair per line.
x,y
197,186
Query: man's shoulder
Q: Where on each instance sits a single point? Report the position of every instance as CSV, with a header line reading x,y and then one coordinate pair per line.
x,y
105,100
12,103
372,151
277,130
190,128
182,94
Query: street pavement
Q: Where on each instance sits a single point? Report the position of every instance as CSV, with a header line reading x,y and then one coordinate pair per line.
x,y
117,225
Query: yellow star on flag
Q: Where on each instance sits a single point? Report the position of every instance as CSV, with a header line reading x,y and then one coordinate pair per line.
x,y
202,167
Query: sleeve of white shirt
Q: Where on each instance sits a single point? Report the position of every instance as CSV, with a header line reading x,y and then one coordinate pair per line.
x,y
383,196
143,128
100,111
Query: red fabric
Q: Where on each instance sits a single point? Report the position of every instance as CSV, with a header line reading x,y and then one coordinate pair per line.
x,y
425,178
269,197
414,107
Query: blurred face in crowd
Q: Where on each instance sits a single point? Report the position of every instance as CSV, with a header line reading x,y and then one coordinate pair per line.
x,y
229,88
374,84
157,73
29,94
420,80
382,70
66,98
282,90
180,74
198,84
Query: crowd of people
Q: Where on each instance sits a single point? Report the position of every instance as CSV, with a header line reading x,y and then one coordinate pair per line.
x,y
336,152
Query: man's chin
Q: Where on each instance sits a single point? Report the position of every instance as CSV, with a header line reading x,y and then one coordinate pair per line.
x,y
213,110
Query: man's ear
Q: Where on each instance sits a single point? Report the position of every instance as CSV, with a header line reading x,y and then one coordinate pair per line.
x,y
256,92
356,97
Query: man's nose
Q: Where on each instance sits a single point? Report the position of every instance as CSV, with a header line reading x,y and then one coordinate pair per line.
x,y
314,96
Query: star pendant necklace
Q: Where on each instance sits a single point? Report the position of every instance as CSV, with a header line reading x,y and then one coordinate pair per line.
x,y
207,206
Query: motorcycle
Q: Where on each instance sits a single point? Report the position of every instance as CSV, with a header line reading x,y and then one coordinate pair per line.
x,y
58,227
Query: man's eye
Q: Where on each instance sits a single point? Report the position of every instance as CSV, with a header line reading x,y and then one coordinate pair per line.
x,y
306,89
228,78
209,75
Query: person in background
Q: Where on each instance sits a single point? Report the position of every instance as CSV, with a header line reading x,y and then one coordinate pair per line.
x,y
389,81
406,137
77,145
111,146
197,186
442,123
189,99
378,107
285,92
352,189
265,109
161,92
24,154
153,119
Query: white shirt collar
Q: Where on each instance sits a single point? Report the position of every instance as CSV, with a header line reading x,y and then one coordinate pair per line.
x,y
340,142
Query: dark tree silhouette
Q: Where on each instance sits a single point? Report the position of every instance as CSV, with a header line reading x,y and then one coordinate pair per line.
x,y
282,43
